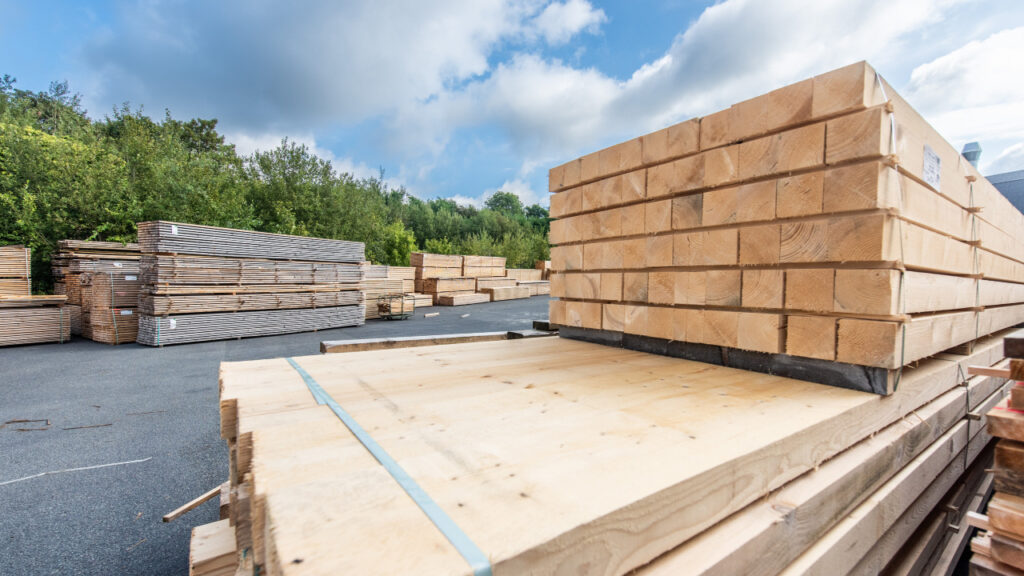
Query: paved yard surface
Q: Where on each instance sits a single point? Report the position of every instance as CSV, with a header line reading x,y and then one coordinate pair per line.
x,y
152,413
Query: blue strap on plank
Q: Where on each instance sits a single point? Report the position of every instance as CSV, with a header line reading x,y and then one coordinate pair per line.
x,y
476,558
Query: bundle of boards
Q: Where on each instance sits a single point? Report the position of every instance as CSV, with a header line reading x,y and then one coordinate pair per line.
x,y
203,283
454,280
824,221
73,266
598,460
110,300
27,319
999,548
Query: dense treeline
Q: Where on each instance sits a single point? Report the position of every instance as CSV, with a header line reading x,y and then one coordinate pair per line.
x,y
64,175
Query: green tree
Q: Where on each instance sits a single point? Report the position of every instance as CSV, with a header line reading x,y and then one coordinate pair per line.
x,y
505,203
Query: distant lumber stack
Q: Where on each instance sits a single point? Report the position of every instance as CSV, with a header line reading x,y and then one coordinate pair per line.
x,y
27,319
999,548
205,283
76,259
110,301
824,221
15,271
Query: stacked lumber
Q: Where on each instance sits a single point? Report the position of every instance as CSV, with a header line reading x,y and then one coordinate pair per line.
x,y
544,266
506,293
407,274
525,274
421,300
30,320
27,319
160,237
622,468
537,288
374,288
201,283
496,282
76,257
110,303
824,221
483,266
15,271
436,265
999,549
449,289
461,298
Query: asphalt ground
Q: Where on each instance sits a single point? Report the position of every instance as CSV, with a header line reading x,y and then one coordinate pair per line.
x,y
148,417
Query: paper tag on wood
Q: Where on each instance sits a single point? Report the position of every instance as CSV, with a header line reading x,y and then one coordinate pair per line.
x,y
174,230
126,312
130,278
172,323
932,170
117,264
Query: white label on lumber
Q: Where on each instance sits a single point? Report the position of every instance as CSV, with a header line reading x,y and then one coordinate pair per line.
x,y
932,171
174,230
126,312
173,323
117,264
130,278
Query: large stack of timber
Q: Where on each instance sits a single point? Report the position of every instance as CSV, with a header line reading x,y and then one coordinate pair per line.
x,y
823,231
533,279
483,266
76,259
27,319
598,460
441,277
436,265
999,549
15,271
203,283
110,300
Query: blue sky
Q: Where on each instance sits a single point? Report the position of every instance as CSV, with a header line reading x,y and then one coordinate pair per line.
x,y
460,98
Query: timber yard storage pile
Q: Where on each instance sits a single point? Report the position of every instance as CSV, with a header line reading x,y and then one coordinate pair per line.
x,y
781,349
782,343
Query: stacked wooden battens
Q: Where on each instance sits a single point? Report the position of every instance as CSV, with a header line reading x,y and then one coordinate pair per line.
x,y
837,487
545,268
506,292
483,266
27,319
798,225
436,265
110,302
525,274
78,258
221,283
999,548
15,271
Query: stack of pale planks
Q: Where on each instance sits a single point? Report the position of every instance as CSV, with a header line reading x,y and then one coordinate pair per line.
x,y
598,460
483,266
15,271
824,221
999,549
77,258
203,283
27,319
110,301
454,280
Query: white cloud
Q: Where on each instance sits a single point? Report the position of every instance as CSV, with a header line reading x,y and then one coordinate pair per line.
x,y
1011,158
560,21
975,92
521,188
551,111
467,201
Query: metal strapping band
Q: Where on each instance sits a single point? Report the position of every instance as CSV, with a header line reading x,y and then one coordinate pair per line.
x,y
477,560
